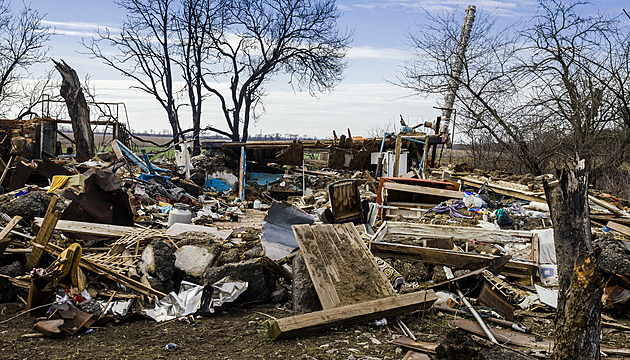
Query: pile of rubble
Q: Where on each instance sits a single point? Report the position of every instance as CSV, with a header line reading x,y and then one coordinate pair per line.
x,y
85,244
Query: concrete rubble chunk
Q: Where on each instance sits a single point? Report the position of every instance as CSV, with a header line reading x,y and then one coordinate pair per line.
x,y
261,281
193,260
305,298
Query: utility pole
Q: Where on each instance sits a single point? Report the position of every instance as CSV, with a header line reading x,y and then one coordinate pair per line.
x,y
456,71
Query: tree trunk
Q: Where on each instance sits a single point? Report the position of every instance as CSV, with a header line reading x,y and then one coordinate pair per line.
x,y
580,286
78,110
578,330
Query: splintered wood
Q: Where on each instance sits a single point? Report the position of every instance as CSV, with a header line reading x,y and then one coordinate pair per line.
x,y
343,270
43,235
4,240
136,240
351,314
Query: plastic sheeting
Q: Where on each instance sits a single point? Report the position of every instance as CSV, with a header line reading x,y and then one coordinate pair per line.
x,y
191,297
546,246
172,306
278,239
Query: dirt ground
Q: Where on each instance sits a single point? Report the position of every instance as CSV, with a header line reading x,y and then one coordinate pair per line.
x,y
237,333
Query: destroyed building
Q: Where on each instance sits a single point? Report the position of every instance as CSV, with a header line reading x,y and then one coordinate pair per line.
x,y
380,237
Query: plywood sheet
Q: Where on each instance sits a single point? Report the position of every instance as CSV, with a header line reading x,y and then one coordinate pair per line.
x,y
343,270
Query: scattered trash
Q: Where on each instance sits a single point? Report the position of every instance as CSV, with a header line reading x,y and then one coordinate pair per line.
x,y
124,234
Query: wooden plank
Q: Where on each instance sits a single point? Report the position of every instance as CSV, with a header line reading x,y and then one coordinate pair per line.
x,y
493,300
86,228
504,336
397,155
608,206
10,225
43,235
6,170
535,249
458,232
343,270
504,190
619,228
117,150
305,237
625,221
451,194
422,346
381,232
276,268
4,241
522,340
456,259
371,181
348,315
425,157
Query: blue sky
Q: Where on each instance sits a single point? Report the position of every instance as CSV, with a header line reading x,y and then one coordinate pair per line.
x,y
362,101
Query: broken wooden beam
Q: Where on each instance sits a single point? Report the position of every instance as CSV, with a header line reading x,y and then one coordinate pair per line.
x,y
619,228
450,258
86,228
276,268
425,190
423,346
625,221
4,241
510,190
43,235
610,207
348,315
426,231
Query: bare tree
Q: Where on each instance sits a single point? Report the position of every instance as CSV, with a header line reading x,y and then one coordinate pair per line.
x,y
241,42
574,88
145,51
607,68
191,20
33,94
544,92
488,98
23,40
554,90
259,39
195,20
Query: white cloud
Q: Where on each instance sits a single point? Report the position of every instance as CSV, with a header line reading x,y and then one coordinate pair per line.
x,y
70,24
509,8
375,53
76,28
74,33
354,106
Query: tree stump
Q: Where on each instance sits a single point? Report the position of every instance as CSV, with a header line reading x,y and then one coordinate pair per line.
x,y
580,286
78,110
578,330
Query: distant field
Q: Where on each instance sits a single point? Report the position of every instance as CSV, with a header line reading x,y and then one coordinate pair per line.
x,y
103,143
